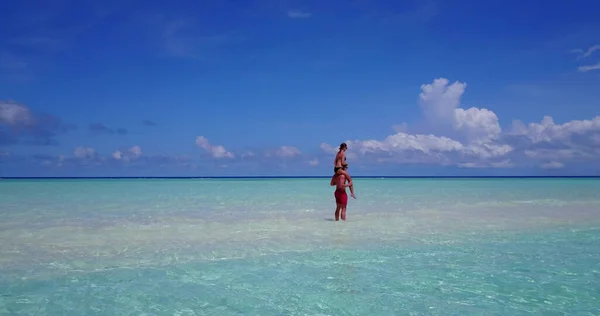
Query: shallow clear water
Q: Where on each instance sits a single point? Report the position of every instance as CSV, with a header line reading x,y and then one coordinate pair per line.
x,y
270,247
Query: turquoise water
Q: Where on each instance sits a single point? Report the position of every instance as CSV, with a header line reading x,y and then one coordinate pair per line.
x,y
270,247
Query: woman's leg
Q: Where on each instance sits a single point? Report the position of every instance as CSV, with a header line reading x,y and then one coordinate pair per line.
x,y
345,173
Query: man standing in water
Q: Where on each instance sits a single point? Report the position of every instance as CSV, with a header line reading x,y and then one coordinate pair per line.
x,y
340,160
341,198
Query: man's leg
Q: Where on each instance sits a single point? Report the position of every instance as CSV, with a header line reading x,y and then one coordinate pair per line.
x,y
343,212
337,211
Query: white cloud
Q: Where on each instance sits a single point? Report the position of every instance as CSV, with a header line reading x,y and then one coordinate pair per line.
x,y
440,103
284,152
136,150
482,124
216,151
18,123
84,152
414,148
438,99
566,154
313,162
328,148
402,142
589,67
15,114
472,165
588,52
591,50
220,152
473,138
547,130
502,164
553,165
128,154
248,154
507,163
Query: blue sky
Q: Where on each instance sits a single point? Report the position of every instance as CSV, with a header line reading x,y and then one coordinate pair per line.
x,y
420,87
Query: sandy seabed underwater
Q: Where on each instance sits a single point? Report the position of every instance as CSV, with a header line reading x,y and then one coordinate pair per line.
x,y
271,247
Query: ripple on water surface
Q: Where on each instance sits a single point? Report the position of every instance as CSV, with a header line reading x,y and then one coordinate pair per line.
x,y
188,248
514,274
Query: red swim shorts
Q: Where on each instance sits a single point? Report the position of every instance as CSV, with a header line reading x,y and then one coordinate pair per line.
x,y
341,197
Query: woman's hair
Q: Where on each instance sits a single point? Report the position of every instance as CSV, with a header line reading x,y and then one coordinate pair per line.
x,y
343,146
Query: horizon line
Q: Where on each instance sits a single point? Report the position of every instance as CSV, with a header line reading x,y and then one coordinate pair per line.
x,y
293,177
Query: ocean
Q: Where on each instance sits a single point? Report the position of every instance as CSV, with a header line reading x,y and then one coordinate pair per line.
x,y
501,246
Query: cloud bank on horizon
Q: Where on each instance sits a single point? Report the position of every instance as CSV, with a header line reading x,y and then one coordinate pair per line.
x,y
473,138
460,137
144,91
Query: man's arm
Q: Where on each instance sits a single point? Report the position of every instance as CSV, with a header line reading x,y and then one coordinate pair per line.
x,y
332,181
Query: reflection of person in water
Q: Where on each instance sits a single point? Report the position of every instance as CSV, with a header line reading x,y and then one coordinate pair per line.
x,y
339,162
341,198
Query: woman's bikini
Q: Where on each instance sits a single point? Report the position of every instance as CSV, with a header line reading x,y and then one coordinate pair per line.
x,y
335,169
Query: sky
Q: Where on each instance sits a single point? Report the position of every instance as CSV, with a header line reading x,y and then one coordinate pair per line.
x,y
272,87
